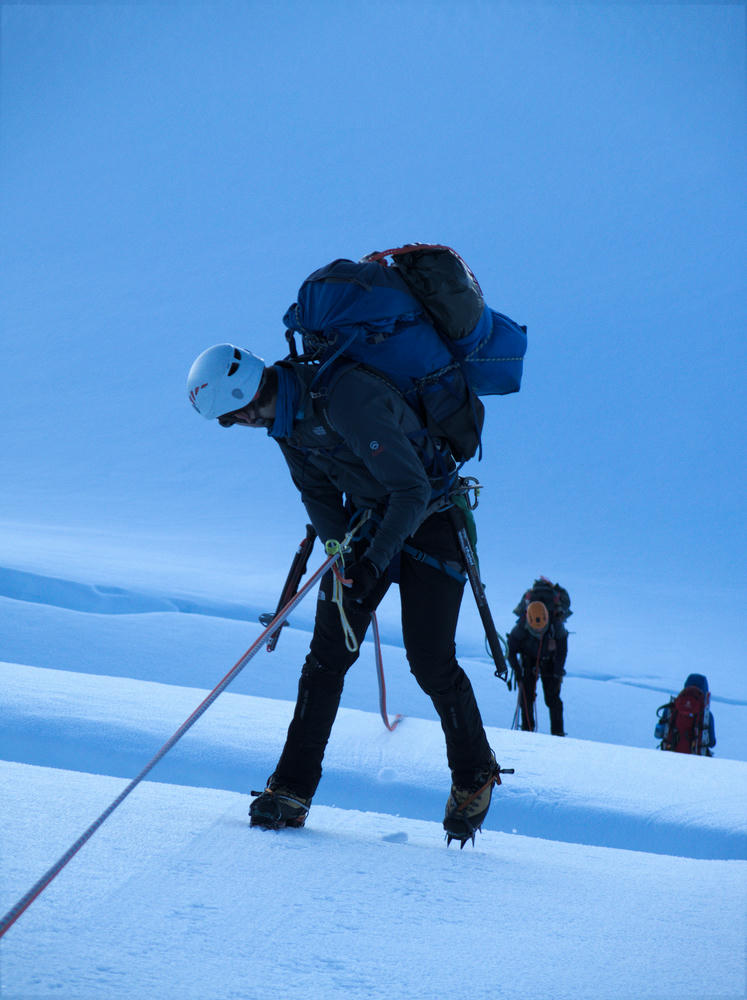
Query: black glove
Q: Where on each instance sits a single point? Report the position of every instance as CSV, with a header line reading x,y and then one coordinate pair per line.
x,y
364,576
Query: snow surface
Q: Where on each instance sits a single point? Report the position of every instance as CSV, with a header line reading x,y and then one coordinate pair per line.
x,y
170,173
590,849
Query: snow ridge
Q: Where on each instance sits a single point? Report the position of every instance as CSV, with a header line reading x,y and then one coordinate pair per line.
x,y
635,799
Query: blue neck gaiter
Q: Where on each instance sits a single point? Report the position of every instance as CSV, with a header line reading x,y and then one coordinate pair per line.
x,y
286,407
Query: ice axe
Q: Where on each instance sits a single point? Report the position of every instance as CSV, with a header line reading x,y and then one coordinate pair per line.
x,y
473,574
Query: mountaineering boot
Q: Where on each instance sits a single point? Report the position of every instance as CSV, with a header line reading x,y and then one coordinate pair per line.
x,y
278,806
556,719
467,805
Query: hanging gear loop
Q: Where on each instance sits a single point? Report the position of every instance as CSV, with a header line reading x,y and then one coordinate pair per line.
x,y
464,486
333,547
351,643
391,726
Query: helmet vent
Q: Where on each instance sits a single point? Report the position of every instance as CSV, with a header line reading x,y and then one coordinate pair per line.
x,y
234,367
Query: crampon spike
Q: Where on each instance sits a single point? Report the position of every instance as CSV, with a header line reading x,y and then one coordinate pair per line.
x,y
462,840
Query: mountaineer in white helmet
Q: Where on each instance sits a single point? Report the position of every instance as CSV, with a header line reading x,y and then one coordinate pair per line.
x,y
357,447
224,378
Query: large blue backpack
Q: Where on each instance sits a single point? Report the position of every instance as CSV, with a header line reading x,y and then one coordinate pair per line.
x,y
422,322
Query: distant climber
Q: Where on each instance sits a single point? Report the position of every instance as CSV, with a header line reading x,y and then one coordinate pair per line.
x,y
686,722
537,648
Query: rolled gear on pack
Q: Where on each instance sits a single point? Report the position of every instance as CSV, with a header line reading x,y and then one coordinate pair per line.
x,y
422,323
686,723
489,345
440,280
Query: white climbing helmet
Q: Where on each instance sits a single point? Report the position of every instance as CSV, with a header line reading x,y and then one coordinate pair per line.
x,y
222,379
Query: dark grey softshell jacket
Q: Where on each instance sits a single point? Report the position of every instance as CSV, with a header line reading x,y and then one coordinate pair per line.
x,y
355,442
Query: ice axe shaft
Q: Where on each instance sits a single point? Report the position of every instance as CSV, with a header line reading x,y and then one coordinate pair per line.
x,y
290,587
473,574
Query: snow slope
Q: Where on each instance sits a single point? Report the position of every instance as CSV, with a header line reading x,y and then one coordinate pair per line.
x,y
589,848
632,798
178,898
